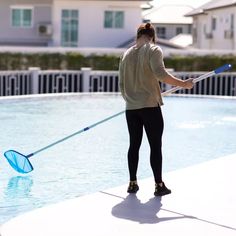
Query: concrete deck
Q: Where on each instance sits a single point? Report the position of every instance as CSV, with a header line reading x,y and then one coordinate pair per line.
x,y
203,202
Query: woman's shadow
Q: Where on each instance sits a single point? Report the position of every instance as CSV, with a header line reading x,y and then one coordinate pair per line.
x,y
132,209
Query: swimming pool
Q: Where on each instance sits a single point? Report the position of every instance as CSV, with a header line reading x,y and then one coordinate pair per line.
x,y
196,130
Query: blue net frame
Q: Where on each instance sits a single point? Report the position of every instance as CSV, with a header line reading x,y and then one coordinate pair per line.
x,y
18,161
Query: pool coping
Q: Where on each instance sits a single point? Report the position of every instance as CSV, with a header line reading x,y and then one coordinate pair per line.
x,y
48,95
202,203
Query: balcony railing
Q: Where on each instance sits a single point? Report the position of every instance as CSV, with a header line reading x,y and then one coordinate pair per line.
x,y
36,81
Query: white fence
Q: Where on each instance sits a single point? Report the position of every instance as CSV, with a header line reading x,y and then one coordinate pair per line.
x,y
36,81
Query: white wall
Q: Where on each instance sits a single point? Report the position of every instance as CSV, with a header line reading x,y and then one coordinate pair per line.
x,y
91,17
223,23
10,35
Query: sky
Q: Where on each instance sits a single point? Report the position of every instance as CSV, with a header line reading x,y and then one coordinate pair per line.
x,y
193,3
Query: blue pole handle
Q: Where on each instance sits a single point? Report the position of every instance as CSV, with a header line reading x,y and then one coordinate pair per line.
x,y
222,68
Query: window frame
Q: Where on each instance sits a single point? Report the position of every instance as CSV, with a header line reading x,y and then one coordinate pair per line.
x,y
70,19
113,22
213,23
161,32
22,9
179,30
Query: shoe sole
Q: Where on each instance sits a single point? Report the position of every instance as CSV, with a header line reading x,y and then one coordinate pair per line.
x,y
132,191
162,194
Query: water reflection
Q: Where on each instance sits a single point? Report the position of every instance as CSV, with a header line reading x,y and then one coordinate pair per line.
x,y
18,187
16,198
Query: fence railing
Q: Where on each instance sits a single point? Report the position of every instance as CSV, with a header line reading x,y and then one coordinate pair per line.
x,y
36,81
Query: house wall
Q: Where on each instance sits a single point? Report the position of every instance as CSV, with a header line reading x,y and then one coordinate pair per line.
x,y
21,36
208,38
91,19
171,29
198,32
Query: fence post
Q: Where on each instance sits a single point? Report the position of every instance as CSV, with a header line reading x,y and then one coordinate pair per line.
x,y
86,71
34,71
234,88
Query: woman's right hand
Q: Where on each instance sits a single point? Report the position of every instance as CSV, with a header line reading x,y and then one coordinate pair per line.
x,y
188,84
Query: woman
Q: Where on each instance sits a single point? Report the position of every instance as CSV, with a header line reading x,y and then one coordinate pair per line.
x,y
140,71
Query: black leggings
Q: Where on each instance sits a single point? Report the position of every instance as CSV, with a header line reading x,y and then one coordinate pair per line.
x,y
152,121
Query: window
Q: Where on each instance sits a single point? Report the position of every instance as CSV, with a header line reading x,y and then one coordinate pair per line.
x,y
69,30
179,30
213,23
161,32
21,17
232,22
114,19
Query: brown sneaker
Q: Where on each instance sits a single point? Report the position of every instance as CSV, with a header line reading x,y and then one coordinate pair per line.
x,y
161,190
133,187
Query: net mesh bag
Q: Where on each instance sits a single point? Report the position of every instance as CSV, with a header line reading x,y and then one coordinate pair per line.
x,y
18,161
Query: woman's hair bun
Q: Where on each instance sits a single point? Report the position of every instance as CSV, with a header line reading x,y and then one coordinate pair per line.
x,y
146,29
148,26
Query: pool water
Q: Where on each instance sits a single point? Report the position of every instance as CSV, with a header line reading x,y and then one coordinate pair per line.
x,y
196,130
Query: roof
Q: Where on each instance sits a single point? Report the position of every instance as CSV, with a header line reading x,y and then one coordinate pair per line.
x,y
161,42
168,14
214,4
183,40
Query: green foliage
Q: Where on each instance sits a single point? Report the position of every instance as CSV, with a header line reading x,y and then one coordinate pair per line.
x,y
74,61
199,63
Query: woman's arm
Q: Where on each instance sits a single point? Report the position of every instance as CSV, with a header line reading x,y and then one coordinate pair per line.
x,y
170,79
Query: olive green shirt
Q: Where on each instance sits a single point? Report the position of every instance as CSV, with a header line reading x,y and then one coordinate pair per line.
x,y
140,71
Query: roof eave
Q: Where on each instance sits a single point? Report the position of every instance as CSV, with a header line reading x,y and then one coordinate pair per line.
x,y
195,14
203,11
219,7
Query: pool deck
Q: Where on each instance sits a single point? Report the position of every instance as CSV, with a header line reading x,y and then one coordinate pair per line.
x,y
203,202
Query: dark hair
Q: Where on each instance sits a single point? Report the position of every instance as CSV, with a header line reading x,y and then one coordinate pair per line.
x,y
148,30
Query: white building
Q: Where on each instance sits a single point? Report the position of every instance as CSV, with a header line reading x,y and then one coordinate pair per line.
x,y
169,20
69,23
214,25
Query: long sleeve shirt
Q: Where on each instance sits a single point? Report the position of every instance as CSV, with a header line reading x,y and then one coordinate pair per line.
x,y
140,71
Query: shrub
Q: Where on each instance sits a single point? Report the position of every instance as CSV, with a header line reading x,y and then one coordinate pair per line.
x,y
74,61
